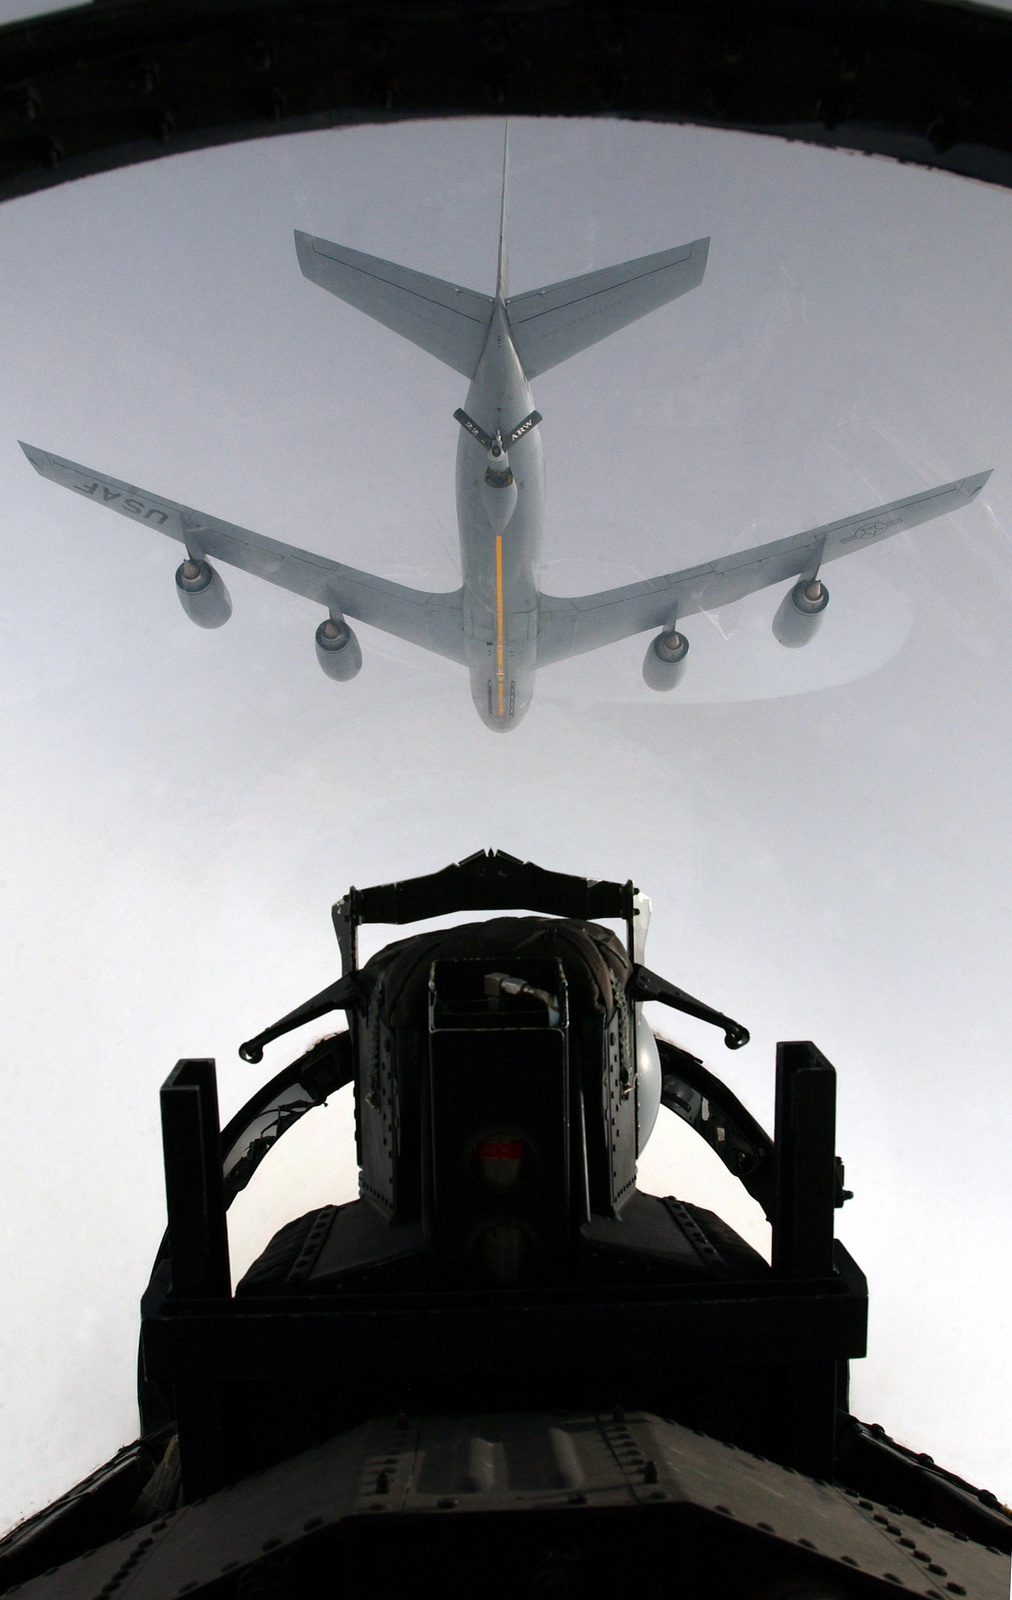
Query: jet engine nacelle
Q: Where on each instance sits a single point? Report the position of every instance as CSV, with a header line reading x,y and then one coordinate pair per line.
x,y
664,662
202,594
338,650
800,612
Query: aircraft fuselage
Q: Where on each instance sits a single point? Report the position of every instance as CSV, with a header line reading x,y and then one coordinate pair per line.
x,y
500,536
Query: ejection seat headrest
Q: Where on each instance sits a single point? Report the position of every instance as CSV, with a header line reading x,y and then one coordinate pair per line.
x,y
593,959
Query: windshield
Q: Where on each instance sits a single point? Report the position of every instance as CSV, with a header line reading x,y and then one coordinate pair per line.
x,y
823,831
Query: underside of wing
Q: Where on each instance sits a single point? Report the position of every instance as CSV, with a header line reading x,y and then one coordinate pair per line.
x,y
550,325
569,627
449,322
430,620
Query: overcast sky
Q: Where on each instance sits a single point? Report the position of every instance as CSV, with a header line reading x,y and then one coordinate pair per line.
x,y
824,833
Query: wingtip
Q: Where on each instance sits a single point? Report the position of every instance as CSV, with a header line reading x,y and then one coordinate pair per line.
x,y
304,253
31,452
976,483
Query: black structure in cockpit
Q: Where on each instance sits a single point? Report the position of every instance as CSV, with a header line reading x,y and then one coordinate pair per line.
x,y
500,1255
504,1365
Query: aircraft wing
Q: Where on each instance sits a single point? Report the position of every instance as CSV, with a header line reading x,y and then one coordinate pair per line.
x,y
569,627
433,621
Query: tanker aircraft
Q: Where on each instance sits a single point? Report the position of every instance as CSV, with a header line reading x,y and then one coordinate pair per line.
x,y
498,624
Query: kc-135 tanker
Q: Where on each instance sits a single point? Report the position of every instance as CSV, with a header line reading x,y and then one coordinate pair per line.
x,y
504,1370
498,624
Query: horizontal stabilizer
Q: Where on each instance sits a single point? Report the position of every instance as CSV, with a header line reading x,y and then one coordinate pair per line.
x,y
450,323
550,325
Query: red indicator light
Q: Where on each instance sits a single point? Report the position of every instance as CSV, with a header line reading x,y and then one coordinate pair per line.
x,y
501,1150
499,1161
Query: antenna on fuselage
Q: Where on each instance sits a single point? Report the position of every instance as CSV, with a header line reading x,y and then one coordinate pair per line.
x,y
500,286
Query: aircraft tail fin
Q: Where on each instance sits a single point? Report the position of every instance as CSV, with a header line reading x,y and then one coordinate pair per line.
x,y
502,272
550,325
451,323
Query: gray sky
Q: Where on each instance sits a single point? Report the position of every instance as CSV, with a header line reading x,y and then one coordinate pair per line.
x,y
824,833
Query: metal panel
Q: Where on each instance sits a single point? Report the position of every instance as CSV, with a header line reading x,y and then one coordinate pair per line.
x,y
676,1502
805,1139
619,1104
191,1140
496,1333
